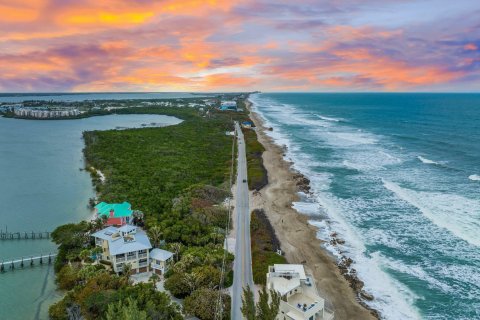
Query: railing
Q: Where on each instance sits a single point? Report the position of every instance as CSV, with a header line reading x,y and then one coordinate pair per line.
x,y
143,264
5,235
142,255
131,258
157,266
284,274
120,259
20,263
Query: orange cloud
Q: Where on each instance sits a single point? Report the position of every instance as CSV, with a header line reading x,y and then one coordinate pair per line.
x,y
470,47
107,18
21,11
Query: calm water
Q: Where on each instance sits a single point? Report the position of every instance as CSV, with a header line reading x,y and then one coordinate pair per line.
x,y
42,187
398,177
13,98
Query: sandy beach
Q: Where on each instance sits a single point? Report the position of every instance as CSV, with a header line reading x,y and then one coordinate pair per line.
x,y
298,238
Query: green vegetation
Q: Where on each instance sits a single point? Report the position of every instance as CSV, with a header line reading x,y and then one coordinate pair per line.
x,y
257,174
266,308
203,303
93,292
177,176
150,167
264,246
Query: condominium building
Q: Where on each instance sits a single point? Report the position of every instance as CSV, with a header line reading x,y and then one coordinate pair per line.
x,y
299,296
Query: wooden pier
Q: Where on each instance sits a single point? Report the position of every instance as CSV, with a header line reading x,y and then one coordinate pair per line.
x,y
5,235
23,262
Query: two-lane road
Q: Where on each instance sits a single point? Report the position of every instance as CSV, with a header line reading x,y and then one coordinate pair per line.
x,y
243,256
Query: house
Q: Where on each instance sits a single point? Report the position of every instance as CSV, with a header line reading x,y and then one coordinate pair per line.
x,y
161,260
118,214
299,297
124,245
247,124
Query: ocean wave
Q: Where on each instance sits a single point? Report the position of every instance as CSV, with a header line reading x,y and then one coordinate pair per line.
x,y
474,177
451,212
392,299
426,161
351,138
418,272
328,118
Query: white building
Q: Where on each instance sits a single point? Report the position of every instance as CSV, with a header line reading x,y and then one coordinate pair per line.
x,y
41,113
161,260
127,244
299,297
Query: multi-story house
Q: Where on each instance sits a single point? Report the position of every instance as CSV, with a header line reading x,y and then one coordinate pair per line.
x,y
125,245
299,297
161,260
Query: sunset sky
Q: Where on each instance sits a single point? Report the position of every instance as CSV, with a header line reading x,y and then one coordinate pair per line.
x,y
239,45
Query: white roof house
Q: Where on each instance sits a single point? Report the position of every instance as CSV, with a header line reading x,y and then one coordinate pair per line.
x,y
160,260
300,299
159,254
127,244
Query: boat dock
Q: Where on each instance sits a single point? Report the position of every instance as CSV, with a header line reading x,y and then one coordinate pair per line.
x,y
21,263
5,235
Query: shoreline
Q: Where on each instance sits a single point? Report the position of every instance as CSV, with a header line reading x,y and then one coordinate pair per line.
x,y
298,238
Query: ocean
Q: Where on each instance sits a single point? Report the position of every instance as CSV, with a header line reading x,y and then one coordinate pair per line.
x,y
42,187
397,176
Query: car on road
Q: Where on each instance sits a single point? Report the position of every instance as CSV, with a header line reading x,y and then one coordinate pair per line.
x,y
244,180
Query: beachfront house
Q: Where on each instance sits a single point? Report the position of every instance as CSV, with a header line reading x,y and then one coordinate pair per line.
x,y
124,245
161,260
118,214
247,124
299,297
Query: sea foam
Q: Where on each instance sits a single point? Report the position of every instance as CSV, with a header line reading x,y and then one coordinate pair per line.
x,y
328,118
455,213
392,299
426,161
474,177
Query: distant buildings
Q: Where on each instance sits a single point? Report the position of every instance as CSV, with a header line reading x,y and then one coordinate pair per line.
x,y
125,245
299,297
118,214
45,114
228,106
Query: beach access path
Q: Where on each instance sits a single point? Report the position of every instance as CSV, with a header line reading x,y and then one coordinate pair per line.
x,y
242,266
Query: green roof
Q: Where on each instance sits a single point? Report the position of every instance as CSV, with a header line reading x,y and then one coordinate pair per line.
x,y
119,209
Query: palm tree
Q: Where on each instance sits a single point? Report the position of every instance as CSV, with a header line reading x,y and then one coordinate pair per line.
x,y
84,255
154,279
191,280
127,270
176,247
156,234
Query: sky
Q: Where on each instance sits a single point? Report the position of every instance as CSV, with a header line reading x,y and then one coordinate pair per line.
x,y
239,45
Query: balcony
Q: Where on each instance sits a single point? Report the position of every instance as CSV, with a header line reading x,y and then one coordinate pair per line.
x,y
121,259
129,258
142,255
143,264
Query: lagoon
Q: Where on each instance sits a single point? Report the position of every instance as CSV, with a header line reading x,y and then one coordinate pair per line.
x,y
42,187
